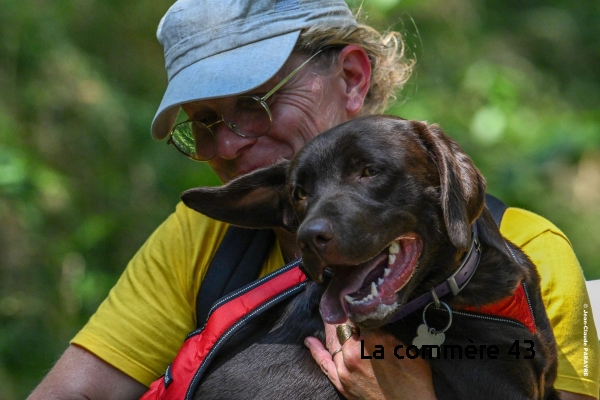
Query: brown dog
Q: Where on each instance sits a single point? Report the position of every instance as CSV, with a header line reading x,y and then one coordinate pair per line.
x,y
395,211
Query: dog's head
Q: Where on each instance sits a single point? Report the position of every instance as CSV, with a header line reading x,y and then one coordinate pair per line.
x,y
386,204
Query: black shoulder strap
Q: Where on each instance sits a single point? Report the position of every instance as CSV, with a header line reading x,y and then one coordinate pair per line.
x,y
496,207
236,263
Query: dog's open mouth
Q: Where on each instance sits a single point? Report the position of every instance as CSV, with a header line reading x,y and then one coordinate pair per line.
x,y
368,291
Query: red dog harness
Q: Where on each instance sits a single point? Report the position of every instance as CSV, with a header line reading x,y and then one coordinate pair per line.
x,y
227,316
514,308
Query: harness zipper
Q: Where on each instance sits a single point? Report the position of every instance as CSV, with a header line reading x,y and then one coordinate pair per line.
x,y
485,317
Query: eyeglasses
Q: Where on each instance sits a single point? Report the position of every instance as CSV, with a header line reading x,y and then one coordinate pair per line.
x,y
247,116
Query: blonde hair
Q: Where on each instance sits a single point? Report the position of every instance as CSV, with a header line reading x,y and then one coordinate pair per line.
x,y
390,67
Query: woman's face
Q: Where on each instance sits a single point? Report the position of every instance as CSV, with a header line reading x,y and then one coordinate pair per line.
x,y
310,103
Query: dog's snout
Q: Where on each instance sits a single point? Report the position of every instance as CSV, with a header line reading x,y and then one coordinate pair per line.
x,y
316,235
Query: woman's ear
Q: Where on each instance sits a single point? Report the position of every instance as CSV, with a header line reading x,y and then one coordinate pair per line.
x,y
356,75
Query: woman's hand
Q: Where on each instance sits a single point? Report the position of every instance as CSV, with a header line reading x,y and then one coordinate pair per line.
x,y
362,378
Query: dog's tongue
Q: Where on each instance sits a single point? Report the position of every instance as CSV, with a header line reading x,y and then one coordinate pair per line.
x,y
345,280
332,309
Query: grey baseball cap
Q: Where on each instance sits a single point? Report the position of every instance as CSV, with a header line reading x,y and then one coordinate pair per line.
x,y
216,48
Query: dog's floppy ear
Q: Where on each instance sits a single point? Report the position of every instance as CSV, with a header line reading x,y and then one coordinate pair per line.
x,y
256,200
462,187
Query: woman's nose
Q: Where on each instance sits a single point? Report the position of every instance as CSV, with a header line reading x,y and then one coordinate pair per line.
x,y
229,145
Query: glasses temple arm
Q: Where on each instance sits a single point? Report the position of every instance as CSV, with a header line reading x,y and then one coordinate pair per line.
x,y
290,76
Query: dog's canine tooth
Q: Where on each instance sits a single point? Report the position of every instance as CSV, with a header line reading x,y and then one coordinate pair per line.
x,y
386,272
394,248
374,291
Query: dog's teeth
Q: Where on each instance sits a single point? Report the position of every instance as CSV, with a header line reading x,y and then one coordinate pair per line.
x,y
394,248
386,272
370,297
380,281
374,290
391,259
349,299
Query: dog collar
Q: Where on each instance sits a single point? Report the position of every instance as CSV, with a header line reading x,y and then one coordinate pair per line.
x,y
454,284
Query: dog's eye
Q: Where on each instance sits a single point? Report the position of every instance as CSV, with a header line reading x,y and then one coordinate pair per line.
x,y
370,171
299,194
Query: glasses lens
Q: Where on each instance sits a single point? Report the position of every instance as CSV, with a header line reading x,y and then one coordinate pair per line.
x,y
248,116
194,140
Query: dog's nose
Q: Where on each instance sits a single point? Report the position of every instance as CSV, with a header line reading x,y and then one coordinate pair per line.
x,y
315,234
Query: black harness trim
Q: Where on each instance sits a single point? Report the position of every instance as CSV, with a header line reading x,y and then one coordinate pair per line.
x,y
236,263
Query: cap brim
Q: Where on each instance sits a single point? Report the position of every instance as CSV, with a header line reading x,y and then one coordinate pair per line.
x,y
224,74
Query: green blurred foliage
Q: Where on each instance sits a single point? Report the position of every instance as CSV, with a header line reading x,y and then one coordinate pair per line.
x,y
82,185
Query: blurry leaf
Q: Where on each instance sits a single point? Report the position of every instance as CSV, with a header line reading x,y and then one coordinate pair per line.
x,y
488,125
13,171
92,230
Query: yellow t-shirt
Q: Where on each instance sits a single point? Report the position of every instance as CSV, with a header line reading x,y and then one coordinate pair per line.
x,y
144,320
565,298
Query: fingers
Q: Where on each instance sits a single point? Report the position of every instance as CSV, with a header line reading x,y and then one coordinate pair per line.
x,y
325,360
334,356
331,340
358,377
331,357
344,336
